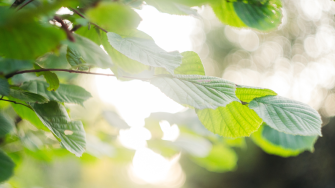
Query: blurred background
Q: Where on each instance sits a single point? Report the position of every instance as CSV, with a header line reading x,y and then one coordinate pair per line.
x,y
296,61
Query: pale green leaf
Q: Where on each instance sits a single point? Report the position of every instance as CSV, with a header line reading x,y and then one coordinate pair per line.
x,y
171,7
225,11
220,159
145,51
50,77
233,121
7,167
197,91
55,117
191,64
4,86
27,114
247,94
236,142
90,52
114,17
6,124
65,93
115,120
288,116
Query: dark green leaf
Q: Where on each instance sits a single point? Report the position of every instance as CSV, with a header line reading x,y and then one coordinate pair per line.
x,y
27,96
4,86
198,91
6,125
288,116
7,167
71,133
65,93
12,65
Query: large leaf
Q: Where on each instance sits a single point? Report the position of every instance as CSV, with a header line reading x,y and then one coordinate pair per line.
x,y
247,94
27,114
7,167
120,60
6,124
145,51
288,141
27,39
276,149
288,116
55,117
50,77
65,93
90,52
220,159
4,86
197,91
114,17
26,96
235,120
224,10
12,65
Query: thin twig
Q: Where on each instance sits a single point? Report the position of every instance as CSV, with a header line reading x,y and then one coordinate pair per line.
x,y
16,3
65,28
67,70
77,12
76,27
25,4
16,103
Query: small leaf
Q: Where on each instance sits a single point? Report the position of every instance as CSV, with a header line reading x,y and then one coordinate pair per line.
x,y
115,120
4,86
191,64
75,60
50,77
94,34
90,52
247,94
7,167
65,93
233,121
54,116
6,125
220,159
114,17
288,116
27,96
197,91
145,51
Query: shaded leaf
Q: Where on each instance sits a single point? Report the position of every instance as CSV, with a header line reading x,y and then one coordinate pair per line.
x,y
4,86
198,91
233,121
50,77
7,167
6,125
65,93
288,116
75,59
27,96
145,51
12,65
71,133
247,94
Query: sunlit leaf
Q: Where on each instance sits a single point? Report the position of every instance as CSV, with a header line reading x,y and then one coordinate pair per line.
x,y
233,121
115,120
220,159
171,7
288,116
94,34
71,133
225,11
247,94
65,93
145,51
197,91
6,124
236,142
7,167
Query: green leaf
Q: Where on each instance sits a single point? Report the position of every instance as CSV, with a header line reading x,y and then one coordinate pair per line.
x,y
12,65
225,11
263,15
121,61
7,167
282,145
65,93
288,141
90,52
114,17
25,41
27,114
236,142
94,34
247,94
220,159
288,116
233,121
4,86
75,60
27,96
115,120
50,77
145,51
197,91
6,125
191,64
71,133
171,7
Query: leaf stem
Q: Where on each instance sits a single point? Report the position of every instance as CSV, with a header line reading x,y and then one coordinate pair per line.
x,y
16,103
67,70
81,15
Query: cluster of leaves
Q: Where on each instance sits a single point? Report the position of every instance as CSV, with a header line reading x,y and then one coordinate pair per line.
x,y
43,41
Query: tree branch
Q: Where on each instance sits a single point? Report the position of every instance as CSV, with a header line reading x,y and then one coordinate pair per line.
x,y
65,28
16,103
67,70
16,3
79,14
25,4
